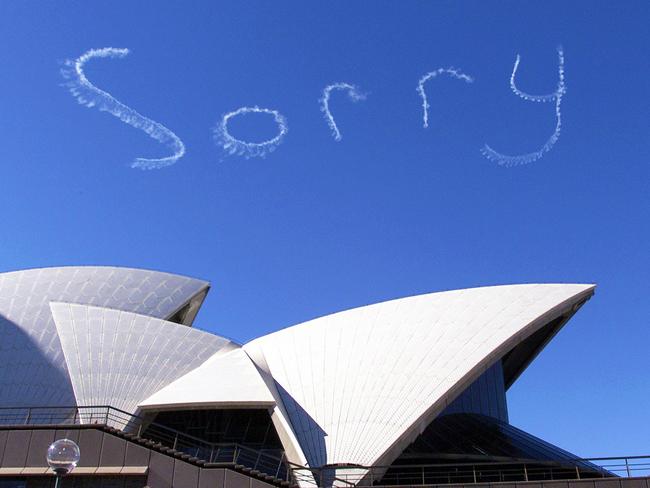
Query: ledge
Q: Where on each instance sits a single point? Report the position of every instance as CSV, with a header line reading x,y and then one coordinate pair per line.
x,y
85,470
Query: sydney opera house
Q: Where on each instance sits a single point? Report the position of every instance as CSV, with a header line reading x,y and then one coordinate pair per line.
x,y
405,392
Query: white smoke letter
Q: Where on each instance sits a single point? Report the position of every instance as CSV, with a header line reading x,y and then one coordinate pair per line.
x,y
249,149
556,96
89,95
353,94
452,72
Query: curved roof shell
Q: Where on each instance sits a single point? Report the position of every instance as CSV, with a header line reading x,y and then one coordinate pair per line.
x,y
120,358
359,386
34,371
228,379
354,387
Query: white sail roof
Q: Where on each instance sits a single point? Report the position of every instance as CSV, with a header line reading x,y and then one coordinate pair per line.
x,y
353,387
33,371
358,386
120,358
226,380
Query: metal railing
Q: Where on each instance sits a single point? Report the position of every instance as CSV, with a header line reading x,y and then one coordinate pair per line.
x,y
625,466
472,473
269,462
274,463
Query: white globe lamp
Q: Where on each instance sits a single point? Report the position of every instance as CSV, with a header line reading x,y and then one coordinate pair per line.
x,y
63,456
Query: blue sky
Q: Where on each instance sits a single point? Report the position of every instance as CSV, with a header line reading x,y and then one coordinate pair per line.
x,y
389,211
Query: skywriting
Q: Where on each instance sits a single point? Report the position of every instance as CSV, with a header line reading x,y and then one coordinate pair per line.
x,y
91,96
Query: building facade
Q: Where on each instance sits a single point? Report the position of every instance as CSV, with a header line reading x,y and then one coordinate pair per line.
x,y
354,397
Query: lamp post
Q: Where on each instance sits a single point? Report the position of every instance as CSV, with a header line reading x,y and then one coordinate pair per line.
x,y
62,456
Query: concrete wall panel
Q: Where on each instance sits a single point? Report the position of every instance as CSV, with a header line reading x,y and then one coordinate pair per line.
x,y
161,471
40,441
608,483
259,484
90,444
113,451
15,453
3,441
136,455
185,475
581,484
635,483
236,480
556,484
212,478
72,434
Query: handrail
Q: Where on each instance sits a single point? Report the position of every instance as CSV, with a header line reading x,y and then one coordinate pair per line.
x,y
278,466
472,473
210,452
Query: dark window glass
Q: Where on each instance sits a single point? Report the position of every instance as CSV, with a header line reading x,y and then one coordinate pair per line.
x,y
467,439
252,428
486,396
12,483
